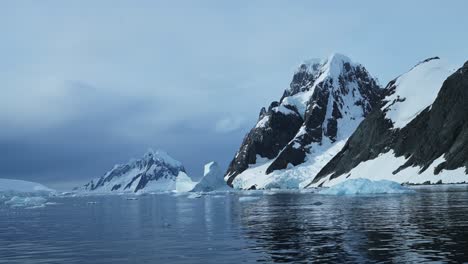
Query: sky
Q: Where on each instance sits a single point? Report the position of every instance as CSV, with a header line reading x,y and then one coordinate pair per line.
x,y
88,84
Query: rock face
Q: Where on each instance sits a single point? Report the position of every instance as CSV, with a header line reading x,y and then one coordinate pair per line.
x,y
418,135
213,179
155,172
295,137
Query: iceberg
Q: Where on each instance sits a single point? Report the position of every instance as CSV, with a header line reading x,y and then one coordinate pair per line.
x,y
184,183
213,179
249,199
362,186
28,202
24,194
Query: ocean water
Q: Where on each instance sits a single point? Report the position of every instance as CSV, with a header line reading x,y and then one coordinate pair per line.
x,y
428,226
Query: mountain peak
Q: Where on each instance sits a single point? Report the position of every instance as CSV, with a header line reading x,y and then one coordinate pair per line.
x,y
162,156
338,58
431,59
326,101
315,65
155,171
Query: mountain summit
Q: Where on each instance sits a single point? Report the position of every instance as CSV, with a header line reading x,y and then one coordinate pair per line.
x,y
156,171
295,137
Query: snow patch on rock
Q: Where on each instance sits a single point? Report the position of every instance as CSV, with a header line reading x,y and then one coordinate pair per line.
x,y
384,166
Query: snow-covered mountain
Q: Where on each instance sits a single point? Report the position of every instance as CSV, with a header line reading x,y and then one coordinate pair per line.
x,y
418,135
155,172
295,137
213,179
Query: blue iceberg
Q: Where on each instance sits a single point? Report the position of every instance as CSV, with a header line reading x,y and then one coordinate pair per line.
x,y
366,186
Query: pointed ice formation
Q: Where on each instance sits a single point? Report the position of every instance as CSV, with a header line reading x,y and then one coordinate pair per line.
x,y
213,179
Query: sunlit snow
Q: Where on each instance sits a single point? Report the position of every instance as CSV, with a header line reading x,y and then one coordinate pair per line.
x,y
416,90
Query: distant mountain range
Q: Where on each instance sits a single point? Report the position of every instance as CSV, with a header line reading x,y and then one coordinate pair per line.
x,y
334,122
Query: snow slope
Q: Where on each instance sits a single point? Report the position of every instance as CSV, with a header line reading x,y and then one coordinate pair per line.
x,y
293,177
384,166
415,90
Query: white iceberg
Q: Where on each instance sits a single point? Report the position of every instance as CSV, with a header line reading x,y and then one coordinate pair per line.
x,y
24,194
194,196
29,202
365,186
249,199
184,183
213,179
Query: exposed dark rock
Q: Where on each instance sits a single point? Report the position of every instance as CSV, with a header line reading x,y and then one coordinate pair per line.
x,y
316,125
253,187
265,141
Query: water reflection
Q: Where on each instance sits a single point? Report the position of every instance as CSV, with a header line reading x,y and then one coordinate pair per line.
x,y
431,225
427,226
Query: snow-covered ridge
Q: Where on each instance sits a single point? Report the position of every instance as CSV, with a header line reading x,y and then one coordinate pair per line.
x,y
156,171
415,90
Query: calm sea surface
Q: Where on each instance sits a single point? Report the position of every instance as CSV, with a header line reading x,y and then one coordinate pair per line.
x,y
429,226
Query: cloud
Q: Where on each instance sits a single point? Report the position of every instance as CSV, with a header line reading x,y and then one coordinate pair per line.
x,y
80,91
229,124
